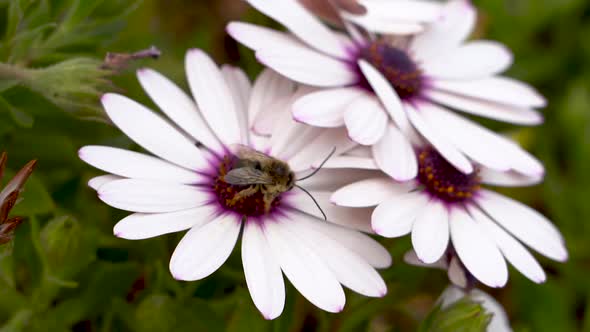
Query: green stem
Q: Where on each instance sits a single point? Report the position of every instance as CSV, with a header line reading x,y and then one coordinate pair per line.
x,y
12,72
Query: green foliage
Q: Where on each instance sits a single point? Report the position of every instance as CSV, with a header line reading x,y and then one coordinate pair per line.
x,y
65,271
44,46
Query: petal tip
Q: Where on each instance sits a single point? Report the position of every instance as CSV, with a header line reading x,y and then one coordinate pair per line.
x,y
261,58
195,52
105,97
297,118
540,279
231,28
81,153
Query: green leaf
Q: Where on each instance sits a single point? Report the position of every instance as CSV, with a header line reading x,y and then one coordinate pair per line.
x,y
79,11
16,10
11,299
160,312
105,282
19,116
246,318
7,84
36,199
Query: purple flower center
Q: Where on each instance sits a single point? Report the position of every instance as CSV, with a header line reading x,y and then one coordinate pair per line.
x,y
247,201
442,180
396,66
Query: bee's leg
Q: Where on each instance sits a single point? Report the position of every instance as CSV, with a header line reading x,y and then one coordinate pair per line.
x,y
268,198
244,194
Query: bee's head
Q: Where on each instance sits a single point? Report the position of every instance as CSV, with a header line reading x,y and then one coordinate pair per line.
x,y
283,174
290,180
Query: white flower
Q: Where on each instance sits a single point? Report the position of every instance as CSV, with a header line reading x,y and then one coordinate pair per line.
x,y
181,188
401,17
499,321
388,89
447,210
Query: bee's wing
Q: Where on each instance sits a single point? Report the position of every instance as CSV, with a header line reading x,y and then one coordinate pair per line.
x,y
245,176
245,152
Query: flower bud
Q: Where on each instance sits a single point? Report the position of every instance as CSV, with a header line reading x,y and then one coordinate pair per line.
x,y
463,315
74,85
67,247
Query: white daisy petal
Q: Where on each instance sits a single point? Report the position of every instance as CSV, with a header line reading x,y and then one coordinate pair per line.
x,y
365,120
507,179
353,218
496,89
317,150
526,224
496,111
325,108
351,162
263,274
204,249
349,268
456,24
240,88
141,226
514,252
333,179
308,67
363,245
151,197
522,161
360,151
477,251
97,182
268,88
213,96
404,10
370,192
267,118
440,142
135,165
304,268
477,142
288,135
383,25
302,24
151,132
257,37
386,93
395,217
456,273
178,106
473,60
430,232
395,155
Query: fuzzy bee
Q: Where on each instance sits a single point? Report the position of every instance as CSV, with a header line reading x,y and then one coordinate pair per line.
x,y
265,174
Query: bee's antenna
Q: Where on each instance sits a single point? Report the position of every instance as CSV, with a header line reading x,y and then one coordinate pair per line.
x,y
320,167
313,199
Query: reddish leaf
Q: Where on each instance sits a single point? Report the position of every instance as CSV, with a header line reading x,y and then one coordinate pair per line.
x,y
2,164
18,181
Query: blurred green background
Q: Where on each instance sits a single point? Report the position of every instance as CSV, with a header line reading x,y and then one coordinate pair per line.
x,y
65,270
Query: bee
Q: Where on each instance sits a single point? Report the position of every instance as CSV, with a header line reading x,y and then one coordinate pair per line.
x,y
264,174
